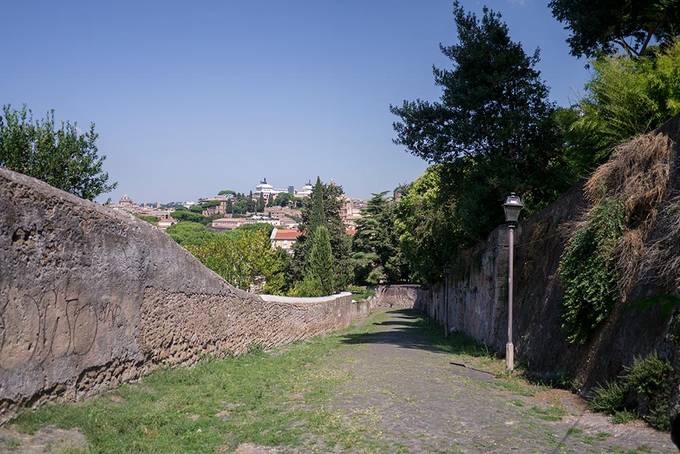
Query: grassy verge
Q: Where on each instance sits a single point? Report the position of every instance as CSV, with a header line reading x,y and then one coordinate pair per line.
x,y
267,398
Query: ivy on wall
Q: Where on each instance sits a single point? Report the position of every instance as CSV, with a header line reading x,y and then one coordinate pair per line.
x,y
587,270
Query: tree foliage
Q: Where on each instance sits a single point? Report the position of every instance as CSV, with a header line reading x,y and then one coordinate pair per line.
x,y
376,251
626,97
61,156
629,25
284,199
189,233
322,208
426,225
244,258
187,215
493,127
319,278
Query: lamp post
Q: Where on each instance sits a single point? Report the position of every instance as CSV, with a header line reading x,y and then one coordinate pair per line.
x,y
512,206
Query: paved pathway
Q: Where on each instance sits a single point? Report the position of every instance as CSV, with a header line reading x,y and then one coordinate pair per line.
x,y
419,398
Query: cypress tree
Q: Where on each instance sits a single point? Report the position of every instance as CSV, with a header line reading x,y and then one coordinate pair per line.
x,y
320,266
317,216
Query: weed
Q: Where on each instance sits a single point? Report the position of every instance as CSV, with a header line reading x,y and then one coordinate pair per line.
x,y
574,431
624,417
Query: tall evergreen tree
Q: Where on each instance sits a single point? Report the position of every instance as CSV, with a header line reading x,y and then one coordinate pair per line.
x,y
494,126
317,213
260,203
320,266
323,208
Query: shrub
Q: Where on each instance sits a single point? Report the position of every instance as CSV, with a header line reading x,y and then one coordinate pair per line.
x,y
643,390
609,398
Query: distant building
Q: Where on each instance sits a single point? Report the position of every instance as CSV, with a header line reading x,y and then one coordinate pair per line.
x,y
126,202
349,212
266,190
163,224
228,223
305,190
284,238
231,223
220,208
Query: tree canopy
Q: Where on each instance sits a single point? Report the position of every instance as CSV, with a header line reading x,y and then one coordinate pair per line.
x,y
493,126
630,25
61,156
376,251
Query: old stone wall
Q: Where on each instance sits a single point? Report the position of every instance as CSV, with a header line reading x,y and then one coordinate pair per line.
x,y
91,297
473,298
403,296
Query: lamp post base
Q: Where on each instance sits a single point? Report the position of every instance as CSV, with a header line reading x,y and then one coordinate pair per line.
x,y
509,356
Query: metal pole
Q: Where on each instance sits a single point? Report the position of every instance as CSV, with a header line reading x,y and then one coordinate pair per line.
x,y
446,304
509,349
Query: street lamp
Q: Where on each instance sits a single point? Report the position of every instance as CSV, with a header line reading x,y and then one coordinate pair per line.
x,y
512,206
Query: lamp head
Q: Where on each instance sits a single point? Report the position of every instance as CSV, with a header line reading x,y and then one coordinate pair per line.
x,y
512,206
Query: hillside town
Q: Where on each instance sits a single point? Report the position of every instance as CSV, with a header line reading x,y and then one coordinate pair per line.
x,y
266,204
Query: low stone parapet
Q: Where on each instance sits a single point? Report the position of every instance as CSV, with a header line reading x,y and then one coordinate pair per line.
x,y
91,297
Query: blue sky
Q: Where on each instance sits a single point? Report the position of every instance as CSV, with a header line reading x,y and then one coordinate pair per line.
x,y
193,97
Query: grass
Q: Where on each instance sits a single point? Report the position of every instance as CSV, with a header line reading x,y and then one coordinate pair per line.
x,y
624,417
550,413
264,398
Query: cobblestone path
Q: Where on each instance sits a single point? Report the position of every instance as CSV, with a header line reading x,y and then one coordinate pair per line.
x,y
419,397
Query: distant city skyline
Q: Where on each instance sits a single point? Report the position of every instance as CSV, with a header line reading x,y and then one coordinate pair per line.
x,y
191,100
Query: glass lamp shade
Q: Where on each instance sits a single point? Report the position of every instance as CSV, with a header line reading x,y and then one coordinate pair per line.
x,y
512,206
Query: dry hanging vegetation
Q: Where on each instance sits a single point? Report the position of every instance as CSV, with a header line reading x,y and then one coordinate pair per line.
x,y
605,252
662,256
636,176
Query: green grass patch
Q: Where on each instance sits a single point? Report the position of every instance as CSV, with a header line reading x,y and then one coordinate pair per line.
x,y
270,399
624,417
550,413
574,431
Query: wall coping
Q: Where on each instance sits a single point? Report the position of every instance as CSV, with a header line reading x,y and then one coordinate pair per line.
x,y
303,299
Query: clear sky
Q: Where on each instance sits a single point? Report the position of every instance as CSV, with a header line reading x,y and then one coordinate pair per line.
x,y
193,97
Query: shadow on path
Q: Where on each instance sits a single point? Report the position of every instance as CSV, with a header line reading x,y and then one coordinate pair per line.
x,y
409,328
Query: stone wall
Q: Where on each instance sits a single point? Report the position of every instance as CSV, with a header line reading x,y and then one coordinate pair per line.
x,y
403,296
473,299
91,297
